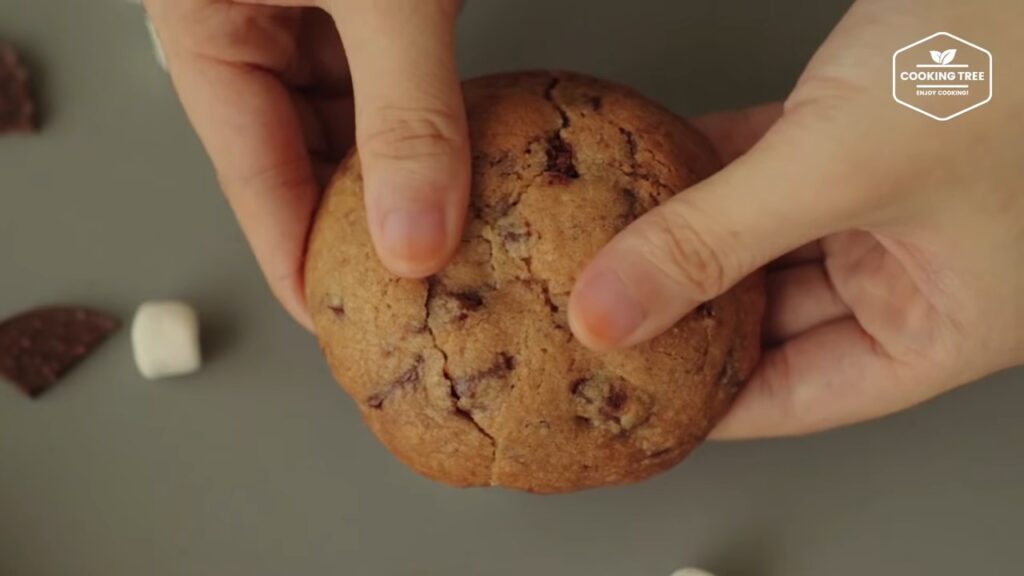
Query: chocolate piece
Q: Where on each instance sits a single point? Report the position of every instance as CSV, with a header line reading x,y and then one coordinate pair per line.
x,y
606,401
467,386
39,346
407,379
560,159
17,110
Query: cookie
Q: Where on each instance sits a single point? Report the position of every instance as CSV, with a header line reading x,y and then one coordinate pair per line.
x,y
472,376
39,346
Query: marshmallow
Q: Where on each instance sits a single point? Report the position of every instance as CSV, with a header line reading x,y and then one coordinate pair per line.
x,y
691,572
165,339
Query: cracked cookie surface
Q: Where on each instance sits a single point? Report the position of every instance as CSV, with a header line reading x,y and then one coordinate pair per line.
x,y
472,377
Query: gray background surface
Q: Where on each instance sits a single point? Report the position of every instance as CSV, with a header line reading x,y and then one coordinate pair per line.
x,y
259,465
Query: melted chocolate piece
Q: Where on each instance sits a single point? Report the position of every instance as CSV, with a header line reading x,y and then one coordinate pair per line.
x,y
40,346
466,386
560,159
407,379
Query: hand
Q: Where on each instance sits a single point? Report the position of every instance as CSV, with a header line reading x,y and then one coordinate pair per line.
x,y
270,90
897,241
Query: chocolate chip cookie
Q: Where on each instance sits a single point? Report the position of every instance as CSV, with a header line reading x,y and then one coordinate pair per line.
x,y
472,376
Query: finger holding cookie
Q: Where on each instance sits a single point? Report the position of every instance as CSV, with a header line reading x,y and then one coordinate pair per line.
x,y
894,260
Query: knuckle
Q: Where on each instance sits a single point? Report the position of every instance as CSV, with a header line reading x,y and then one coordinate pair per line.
x,y
229,32
265,180
686,254
400,133
792,411
828,93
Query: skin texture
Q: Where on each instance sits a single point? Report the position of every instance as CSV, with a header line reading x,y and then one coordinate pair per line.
x,y
894,241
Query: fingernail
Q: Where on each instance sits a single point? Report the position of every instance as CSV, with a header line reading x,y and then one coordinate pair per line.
x,y
413,235
607,308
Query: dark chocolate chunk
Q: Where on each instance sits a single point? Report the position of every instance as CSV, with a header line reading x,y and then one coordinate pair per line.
x,y
466,302
706,310
17,110
560,159
632,206
630,142
470,301
467,385
336,305
39,346
608,402
405,380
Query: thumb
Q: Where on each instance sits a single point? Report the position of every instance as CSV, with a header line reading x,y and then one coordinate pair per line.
x,y
789,189
410,127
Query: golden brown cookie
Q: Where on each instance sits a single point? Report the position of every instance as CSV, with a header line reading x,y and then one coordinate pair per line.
x,y
472,377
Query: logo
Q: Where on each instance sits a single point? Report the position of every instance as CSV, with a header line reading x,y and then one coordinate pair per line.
x,y
942,76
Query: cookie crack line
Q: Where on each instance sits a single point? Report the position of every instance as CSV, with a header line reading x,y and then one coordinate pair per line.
x,y
531,279
633,146
490,249
561,162
432,284
559,152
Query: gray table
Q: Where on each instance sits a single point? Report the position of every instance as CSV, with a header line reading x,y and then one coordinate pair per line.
x,y
258,465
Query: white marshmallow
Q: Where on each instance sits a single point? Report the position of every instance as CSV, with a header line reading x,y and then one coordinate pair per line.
x,y
165,339
691,572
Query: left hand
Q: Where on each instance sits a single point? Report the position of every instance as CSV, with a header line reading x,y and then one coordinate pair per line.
x,y
277,100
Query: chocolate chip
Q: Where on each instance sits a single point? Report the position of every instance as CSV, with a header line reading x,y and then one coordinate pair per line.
x,y
17,110
336,306
515,234
595,102
616,400
706,310
405,380
500,207
376,400
560,158
502,164
632,205
630,143
445,305
606,401
469,301
40,346
466,386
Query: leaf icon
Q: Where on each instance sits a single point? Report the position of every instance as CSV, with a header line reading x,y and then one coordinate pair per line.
x,y
948,55
936,56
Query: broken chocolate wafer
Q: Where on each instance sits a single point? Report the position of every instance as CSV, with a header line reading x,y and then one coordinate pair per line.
x,y
39,346
17,110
